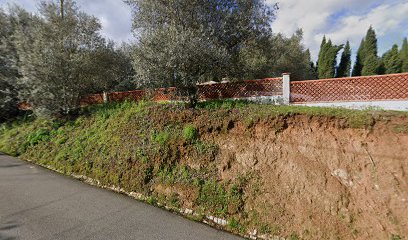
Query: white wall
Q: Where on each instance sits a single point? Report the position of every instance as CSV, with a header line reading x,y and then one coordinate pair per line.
x,y
385,105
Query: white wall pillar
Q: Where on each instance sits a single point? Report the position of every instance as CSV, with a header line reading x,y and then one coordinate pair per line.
x,y
105,97
286,88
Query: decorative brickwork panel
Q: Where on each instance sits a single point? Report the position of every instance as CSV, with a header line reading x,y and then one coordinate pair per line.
x,y
241,89
384,87
136,95
164,94
92,99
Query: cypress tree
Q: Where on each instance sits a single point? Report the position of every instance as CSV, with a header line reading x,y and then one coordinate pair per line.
x,y
328,59
392,60
358,66
370,44
311,70
345,62
371,66
368,48
321,52
404,55
369,54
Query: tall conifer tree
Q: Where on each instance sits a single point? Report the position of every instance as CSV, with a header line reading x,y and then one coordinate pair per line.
x,y
358,65
369,54
345,62
392,60
327,62
404,55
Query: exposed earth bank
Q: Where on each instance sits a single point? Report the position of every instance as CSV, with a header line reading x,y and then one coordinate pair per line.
x,y
294,172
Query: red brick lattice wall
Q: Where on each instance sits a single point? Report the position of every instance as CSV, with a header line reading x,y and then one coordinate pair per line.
x,y
384,87
92,99
232,90
241,89
370,88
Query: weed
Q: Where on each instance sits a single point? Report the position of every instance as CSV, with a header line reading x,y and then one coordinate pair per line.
x,y
234,225
161,138
396,237
196,218
401,128
267,229
174,200
151,200
190,133
38,136
223,104
293,236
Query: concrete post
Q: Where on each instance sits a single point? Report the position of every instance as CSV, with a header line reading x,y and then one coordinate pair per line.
x,y
105,97
286,88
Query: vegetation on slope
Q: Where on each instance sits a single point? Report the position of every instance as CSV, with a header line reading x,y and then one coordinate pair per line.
x,y
157,149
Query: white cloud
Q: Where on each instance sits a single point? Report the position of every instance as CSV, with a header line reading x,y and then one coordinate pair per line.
x,y
340,20
385,19
115,15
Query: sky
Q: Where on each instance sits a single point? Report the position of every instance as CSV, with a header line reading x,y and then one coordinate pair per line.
x,y
339,20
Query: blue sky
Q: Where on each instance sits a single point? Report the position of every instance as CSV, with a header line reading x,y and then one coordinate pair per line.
x,y
340,20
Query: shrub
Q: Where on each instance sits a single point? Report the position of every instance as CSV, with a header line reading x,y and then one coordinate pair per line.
x,y
190,133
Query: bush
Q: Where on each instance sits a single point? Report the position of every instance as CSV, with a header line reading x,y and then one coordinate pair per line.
x,y
190,133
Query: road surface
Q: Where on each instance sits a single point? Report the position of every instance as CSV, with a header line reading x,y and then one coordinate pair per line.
x,y
39,204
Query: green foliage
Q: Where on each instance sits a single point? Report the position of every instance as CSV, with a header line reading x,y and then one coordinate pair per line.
x,y
404,55
62,56
392,60
8,70
401,128
345,62
234,225
370,43
38,136
358,64
267,229
220,199
396,237
223,39
371,66
161,137
223,104
327,59
190,133
294,236
367,62
281,55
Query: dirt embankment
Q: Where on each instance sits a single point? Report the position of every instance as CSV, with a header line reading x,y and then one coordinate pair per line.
x,y
319,178
294,172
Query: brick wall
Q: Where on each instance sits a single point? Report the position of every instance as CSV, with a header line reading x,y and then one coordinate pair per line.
x,y
369,88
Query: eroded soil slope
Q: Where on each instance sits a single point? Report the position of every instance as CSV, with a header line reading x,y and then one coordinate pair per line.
x,y
320,178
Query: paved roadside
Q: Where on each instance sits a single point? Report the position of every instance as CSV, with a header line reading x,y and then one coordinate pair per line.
x,y
39,204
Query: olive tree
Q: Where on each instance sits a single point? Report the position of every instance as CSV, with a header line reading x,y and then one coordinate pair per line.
x,y
57,57
180,43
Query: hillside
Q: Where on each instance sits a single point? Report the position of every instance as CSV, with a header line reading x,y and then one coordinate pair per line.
x,y
295,172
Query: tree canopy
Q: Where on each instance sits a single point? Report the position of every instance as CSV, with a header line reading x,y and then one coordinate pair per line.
x,y
180,43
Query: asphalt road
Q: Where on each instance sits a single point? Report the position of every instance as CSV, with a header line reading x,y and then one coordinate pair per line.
x,y
39,204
